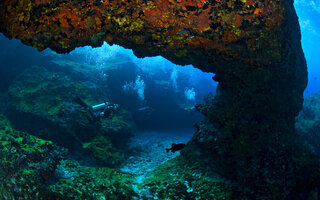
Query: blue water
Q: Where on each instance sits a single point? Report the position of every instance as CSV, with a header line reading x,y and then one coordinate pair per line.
x,y
157,92
153,80
309,14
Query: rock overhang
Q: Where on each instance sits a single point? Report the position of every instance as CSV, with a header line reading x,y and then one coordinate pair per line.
x,y
205,33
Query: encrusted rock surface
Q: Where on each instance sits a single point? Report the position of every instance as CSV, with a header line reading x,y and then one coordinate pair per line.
x,y
180,179
32,168
200,32
26,163
44,104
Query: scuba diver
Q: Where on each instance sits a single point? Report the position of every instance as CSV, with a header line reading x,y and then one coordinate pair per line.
x,y
99,111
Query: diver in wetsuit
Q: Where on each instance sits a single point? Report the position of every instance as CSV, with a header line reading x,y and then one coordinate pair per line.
x,y
99,111
105,109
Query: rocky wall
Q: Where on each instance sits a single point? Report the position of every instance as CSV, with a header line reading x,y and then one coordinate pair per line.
x,y
44,103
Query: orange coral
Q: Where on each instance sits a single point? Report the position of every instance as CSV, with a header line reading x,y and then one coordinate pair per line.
x,y
237,20
250,2
98,22
173,23
38,2
258,11
228,37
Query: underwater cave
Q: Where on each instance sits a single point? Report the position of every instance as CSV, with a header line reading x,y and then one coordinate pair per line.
x,y
67,120
156,102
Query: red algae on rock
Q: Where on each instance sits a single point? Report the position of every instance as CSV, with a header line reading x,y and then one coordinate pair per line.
x,y
160,26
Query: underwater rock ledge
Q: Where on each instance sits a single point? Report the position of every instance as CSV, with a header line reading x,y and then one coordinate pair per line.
x,y
32,168
253,47
48,98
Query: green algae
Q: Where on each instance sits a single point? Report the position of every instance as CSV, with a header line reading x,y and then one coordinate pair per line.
x,y
48,93
26,161
80,182
32,168
9,136
50,99
173,180
176,179
103,150
118,123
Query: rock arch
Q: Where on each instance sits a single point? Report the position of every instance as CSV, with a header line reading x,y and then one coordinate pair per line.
x,y
253,47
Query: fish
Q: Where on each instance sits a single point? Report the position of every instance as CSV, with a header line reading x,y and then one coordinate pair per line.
x,y
176,147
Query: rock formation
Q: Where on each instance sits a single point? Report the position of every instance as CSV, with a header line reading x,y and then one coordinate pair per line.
x,y
252,46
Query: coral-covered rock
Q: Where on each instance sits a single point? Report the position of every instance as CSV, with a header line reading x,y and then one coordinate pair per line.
x,y
103,150
176,179
80,182
217,30
49,99
32,168
27,163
